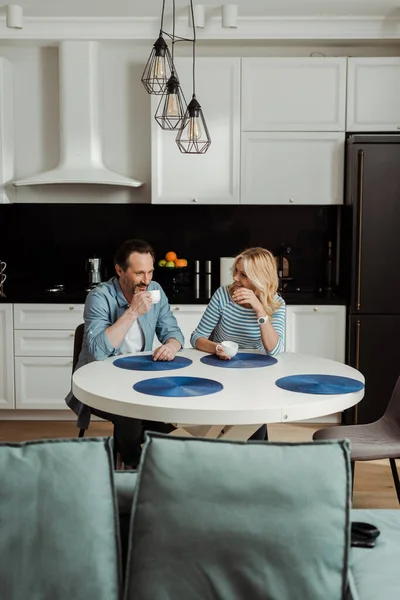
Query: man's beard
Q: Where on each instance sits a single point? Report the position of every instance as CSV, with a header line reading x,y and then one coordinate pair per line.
x,y
138,287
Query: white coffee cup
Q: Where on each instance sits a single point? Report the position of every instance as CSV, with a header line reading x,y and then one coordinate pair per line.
x,y
230,348
155,296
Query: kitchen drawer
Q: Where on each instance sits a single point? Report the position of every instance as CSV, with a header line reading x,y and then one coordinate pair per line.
x,y
44,342
48,316
42,383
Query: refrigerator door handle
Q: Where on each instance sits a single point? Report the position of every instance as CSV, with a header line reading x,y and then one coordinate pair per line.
x,y
358,339
360,217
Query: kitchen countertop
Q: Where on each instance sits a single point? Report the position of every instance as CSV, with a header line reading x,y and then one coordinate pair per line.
x,y
77,297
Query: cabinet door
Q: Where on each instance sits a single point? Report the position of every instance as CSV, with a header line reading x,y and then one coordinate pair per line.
x,y
316,330
373,92
374,350
293,94
48,316
42,383
6,357
188,317
211,178
292,168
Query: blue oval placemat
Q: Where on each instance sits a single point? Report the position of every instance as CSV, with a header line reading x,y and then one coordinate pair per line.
x,y
319,384
178,386
242,360
145,362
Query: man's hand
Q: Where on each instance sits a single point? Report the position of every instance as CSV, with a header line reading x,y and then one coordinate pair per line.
x,y
165,352
141,304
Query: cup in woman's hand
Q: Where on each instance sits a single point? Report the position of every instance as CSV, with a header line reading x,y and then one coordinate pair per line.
x,y
230,348
155,296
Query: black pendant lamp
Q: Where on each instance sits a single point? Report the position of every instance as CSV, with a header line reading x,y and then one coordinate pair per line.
x,y
193,137
172,106
159,65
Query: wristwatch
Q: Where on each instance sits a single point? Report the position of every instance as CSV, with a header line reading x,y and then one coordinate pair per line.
x,y
262,320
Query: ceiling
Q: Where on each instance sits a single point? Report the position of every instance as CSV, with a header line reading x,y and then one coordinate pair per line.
x,y
247,8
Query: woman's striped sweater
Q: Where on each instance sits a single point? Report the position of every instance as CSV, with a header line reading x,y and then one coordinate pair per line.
x,y
224,319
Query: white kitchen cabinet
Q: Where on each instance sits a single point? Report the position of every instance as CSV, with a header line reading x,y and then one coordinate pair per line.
x,y
188,317
6,357
317,330
44,338
373,92
7,193
42,382
293,94
213,177
292,168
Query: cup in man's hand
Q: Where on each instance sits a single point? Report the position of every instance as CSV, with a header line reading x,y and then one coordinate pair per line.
x,y
155,296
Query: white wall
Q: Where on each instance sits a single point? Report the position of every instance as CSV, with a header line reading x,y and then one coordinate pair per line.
x,y
126,109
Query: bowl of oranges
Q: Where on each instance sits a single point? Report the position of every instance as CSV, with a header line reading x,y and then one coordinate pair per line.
x,y
171,261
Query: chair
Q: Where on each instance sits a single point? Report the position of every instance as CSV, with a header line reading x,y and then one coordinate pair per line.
x,y
373,441
78,340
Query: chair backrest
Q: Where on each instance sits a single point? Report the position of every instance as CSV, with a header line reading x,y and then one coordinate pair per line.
x,y
78,340
392,412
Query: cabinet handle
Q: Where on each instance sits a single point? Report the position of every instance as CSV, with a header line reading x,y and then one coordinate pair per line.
x,y
176,308
315,308
360,215
71,307
291,200
194,200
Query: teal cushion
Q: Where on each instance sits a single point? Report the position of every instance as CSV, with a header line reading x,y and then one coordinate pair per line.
x,y
58,526
373,573
237,521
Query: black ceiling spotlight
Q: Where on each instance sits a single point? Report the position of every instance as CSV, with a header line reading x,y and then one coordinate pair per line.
x,y
193,137
172,106
159,65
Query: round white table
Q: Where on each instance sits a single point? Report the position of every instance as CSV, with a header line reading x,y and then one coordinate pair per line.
x,y
248,397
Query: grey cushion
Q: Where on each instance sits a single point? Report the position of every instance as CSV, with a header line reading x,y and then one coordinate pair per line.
x,y
237,521
58,525
373,572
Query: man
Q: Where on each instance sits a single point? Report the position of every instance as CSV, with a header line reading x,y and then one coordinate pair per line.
x,y
120,317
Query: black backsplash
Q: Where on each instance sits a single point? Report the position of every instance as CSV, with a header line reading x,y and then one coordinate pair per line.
x,y
46,244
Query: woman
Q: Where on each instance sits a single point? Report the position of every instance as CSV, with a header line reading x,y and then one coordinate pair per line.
x,y
248,312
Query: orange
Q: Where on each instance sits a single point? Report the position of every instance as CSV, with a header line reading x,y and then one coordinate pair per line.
x,y
181,262
170,256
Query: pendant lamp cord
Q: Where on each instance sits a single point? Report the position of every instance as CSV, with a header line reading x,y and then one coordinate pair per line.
x,y
194,50
173,36
162,17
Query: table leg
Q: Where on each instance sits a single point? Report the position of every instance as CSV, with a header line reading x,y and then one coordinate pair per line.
x,y
238,432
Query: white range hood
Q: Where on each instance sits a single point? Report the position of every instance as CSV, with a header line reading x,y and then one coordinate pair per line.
x,y
81,158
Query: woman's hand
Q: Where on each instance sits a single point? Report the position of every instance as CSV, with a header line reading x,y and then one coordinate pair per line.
x,y
245,296
219,351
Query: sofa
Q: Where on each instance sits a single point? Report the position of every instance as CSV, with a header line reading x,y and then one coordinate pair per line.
x,y
185,526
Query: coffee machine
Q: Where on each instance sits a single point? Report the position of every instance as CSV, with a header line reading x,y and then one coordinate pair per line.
x,y
93,267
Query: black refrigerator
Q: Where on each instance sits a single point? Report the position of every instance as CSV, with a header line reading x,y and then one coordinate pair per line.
x,y
370,267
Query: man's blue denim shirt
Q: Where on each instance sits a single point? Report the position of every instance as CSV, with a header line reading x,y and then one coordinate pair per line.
x,y
104,305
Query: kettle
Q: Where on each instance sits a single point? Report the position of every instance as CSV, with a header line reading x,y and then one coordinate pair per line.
x,y
93,267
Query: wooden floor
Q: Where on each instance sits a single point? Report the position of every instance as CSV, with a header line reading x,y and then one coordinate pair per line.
x,y
373,480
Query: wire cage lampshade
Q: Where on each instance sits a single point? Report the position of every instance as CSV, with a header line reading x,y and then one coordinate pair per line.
x,y
158,68
193,137
172,106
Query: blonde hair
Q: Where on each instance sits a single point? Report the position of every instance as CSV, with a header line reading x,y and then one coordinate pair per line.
x,y
261,269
